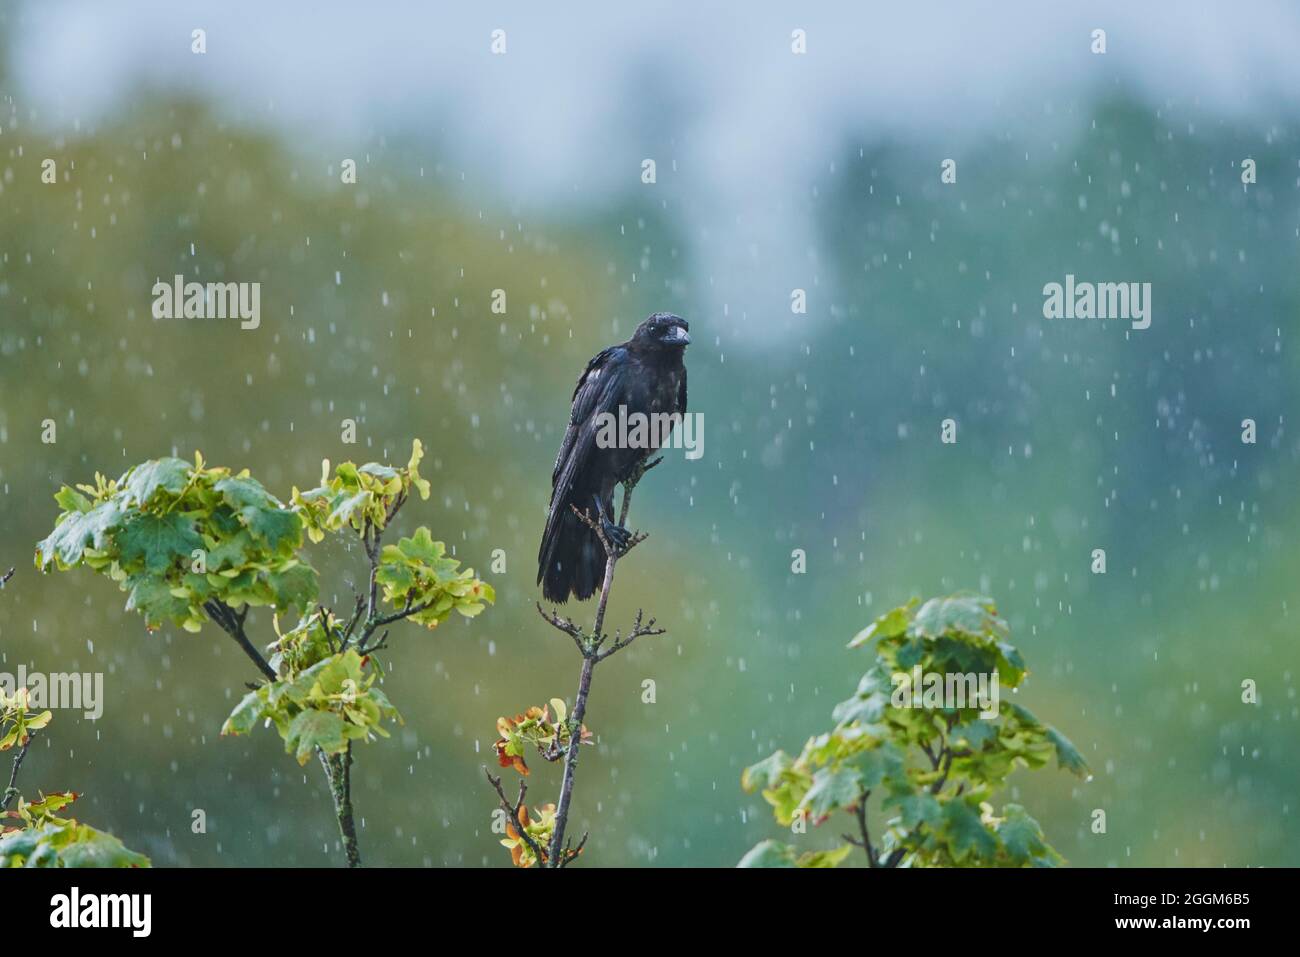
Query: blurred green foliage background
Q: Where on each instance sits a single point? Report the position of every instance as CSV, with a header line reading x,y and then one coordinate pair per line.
x,y
825,437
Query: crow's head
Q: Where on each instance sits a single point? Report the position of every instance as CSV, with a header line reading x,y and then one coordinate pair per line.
x,y
662,330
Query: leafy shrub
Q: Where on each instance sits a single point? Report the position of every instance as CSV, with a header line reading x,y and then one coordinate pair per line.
x,y
191,545
935,766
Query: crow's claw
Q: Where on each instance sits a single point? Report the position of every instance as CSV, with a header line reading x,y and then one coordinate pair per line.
x,y
618,535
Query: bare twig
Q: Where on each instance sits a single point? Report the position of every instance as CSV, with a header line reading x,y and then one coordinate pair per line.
x,y
560,853
354,620
638,630
379,645
631,483
11,791
4,579
565,625
571,853
370,539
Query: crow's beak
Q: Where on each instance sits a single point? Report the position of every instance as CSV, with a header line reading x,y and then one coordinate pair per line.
x,y
678,336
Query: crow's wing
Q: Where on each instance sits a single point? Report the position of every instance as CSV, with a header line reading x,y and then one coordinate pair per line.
x,y
589,399
681,393
599,390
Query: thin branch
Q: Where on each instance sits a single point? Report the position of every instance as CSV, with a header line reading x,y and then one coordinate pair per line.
x,y
406,612
4,579
945,758
513,811
565,625
233,625
380,643
571,758
631,483
371,534
337,772
370,539
354,620
635,539
393,508
571,853
559,851
553,751
861,812
934,761
11,791
638,630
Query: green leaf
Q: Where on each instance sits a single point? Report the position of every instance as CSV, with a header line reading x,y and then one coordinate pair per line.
x,y
70,500
334,674
911,653
66,844
153,598
94,848
1011,668
145,480
974,734
398,578
880,764
421,547
832,789
765,773
889,625
769,853
831,858
915,806
246,714
279,528
968,838
244,492
77,530
1021,836
1067,755
385,473
346,507
868,709
157,541
970,614
232,552
313,729
295,587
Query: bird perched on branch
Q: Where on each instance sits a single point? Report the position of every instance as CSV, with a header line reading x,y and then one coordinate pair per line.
x,y
644,376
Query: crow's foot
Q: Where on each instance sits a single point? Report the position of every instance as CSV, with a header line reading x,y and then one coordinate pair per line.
x,y
617,535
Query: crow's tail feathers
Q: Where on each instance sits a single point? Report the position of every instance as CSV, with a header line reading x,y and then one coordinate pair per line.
x,y
572,560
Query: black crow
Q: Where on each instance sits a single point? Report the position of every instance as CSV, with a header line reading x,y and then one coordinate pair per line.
x,y
644,375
